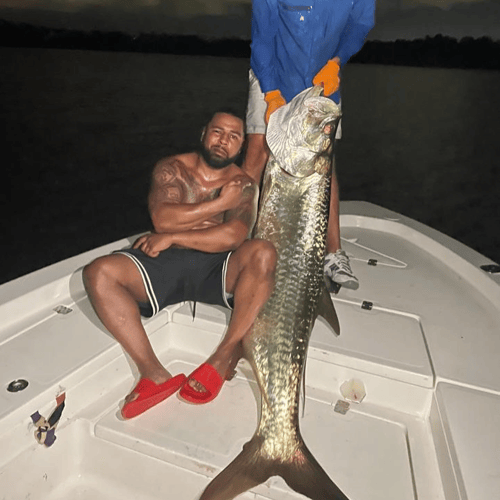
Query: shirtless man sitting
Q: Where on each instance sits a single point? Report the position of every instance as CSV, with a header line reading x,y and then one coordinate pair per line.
x,y
203,208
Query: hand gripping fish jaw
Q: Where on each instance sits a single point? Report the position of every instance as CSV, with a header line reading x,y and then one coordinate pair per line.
x,y
294,217
303,129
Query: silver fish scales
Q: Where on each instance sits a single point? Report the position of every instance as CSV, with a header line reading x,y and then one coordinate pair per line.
x,y
294,217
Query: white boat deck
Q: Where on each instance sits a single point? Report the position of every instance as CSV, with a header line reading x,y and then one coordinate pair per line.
x,y
422,334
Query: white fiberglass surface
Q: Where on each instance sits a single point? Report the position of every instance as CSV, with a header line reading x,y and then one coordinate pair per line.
x,y
378,341
471,420
366,454
429,320
81,467
56,346
456,304
370,452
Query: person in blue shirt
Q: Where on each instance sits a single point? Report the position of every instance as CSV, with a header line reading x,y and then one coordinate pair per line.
x,y
297,44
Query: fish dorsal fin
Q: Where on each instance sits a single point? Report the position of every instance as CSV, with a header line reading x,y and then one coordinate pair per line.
x,y
326,310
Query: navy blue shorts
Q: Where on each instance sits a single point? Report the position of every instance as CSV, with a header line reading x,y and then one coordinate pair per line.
x,y
180,274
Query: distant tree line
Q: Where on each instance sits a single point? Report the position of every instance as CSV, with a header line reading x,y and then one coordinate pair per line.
x,y
437,51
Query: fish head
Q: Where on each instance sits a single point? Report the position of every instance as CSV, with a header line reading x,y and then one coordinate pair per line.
x,y
301,130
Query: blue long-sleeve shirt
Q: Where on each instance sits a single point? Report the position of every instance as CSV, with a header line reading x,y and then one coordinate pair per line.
x,y
293,39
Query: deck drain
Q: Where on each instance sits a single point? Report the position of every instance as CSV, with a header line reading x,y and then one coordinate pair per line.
x,y
62,310
17,385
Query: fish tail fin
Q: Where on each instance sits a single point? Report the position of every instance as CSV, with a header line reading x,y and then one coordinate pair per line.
x,y
306,476
250,468
326,309
243,473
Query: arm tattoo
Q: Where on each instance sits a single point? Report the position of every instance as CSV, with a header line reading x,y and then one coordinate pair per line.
x,y
167,184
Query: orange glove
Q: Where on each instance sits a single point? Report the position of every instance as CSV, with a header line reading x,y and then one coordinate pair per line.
x,y
328,76
274,101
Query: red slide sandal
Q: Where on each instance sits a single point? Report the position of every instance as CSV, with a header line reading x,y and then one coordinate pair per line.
x,y
209,378
150,394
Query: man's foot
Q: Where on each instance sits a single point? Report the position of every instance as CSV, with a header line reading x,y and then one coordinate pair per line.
x,y
205,383
209,380
147,394
338,269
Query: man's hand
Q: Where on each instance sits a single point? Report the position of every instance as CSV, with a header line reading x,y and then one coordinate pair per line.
x,y
231,193
328,77
152,244
274,101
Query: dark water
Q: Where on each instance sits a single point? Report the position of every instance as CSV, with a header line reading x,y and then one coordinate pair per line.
x,y
80,132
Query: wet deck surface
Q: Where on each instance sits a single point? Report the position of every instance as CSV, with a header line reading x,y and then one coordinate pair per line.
x,y
82,130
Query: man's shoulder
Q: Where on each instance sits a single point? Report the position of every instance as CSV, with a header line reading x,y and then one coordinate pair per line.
x,y
184,160
251,188
238,174
175,165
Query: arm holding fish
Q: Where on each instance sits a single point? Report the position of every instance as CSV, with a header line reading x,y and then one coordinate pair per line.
x,y
328,77
216,237
264,22
361,21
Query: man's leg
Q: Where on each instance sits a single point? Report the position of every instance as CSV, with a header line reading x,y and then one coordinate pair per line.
x,y
114,286
257,154
333,233
257,151
337,265
250,278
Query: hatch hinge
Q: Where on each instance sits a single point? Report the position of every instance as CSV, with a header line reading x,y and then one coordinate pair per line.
x,y
62,309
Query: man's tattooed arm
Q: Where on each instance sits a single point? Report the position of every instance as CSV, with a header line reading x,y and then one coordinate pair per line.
x,y
236,227
177,202
246,212
166,185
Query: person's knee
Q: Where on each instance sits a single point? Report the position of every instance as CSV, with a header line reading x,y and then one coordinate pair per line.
x,y
96,274
90,274
263,258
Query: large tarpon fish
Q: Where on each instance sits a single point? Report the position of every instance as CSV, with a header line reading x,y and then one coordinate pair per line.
x,y
294,217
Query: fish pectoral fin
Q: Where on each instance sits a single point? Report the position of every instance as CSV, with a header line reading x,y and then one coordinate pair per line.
x,y
326,310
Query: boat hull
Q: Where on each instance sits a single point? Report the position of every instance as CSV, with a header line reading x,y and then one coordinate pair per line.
x,y
420,335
